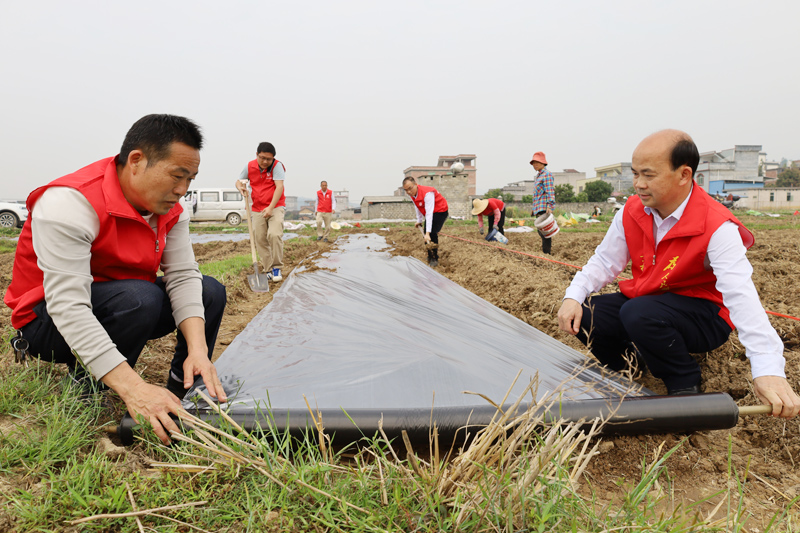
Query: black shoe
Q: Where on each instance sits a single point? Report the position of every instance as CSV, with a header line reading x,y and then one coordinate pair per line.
x,y
319,238
176,387
325,239
694,389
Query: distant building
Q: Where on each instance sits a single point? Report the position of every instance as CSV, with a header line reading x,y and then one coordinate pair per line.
x,y
619,175
765,199
389,207
731,170
291,203
342,199
442,168
569,176
453,188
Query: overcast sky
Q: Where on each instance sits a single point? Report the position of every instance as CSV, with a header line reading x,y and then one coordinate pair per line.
x,y
354,92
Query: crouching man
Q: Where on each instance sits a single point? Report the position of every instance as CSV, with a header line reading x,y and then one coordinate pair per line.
x,y
691,281
85,272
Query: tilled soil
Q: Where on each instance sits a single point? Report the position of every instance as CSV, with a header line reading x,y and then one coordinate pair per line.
x,y
763,449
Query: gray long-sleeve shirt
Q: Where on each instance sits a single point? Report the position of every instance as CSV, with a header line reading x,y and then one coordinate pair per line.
x,y
63,227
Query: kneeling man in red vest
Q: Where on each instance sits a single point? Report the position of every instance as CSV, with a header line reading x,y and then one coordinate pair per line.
x,y
691,281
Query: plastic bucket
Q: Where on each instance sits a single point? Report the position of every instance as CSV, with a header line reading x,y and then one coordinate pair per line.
x,y
547,224
495,235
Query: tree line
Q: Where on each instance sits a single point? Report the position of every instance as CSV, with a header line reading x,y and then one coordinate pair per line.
x,y
788,177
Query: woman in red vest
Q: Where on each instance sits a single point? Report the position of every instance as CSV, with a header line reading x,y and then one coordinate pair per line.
x,y
494,209
431,209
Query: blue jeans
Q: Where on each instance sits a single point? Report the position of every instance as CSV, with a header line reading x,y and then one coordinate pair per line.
x,y
665,329
132,312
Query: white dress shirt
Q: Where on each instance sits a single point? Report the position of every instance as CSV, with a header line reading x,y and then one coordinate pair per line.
x,y
430,203
725,256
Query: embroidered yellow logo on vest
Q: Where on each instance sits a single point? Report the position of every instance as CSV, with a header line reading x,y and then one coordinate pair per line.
x,y
664,286
641,267
672,263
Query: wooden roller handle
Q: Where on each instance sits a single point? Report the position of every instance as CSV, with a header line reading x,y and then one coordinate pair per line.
x,y
746,410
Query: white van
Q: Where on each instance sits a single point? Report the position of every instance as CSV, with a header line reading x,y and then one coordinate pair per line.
x,y
216,204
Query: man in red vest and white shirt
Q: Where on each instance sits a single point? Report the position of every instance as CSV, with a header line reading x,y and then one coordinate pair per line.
x,y
265,175
691,281
431,210
85,278
325,206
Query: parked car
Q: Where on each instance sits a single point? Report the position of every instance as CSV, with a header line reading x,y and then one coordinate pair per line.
x,y
12,214
216,204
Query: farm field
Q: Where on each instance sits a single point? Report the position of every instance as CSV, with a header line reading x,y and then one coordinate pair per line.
x,y
762,450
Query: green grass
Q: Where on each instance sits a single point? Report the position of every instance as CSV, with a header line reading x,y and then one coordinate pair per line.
x,y
56,472
224,269
7,246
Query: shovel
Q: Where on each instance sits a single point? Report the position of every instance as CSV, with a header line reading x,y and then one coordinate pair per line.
x,y
258,282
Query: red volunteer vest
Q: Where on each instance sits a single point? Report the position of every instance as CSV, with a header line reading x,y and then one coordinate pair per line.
x,y
440,204
325,201
125,248
263,185
677,265
494,203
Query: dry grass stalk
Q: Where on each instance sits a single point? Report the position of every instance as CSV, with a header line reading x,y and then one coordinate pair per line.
x,y
133,506
191,469
384,494
136,513
216,408
321,436
412,458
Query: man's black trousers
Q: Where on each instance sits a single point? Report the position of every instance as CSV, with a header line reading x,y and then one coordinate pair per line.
x,y
132,312
665,329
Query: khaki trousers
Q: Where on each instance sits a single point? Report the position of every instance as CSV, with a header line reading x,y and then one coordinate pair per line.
x,y
323,217
268,233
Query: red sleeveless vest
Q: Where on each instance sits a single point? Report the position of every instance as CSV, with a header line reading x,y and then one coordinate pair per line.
x,y
494,203
677,265
440,204
125,248
325,201
263,185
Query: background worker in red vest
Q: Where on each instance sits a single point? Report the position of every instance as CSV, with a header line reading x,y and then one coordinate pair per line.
x,y
85,271
325,206
265,175
495,210
431,209
691,281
